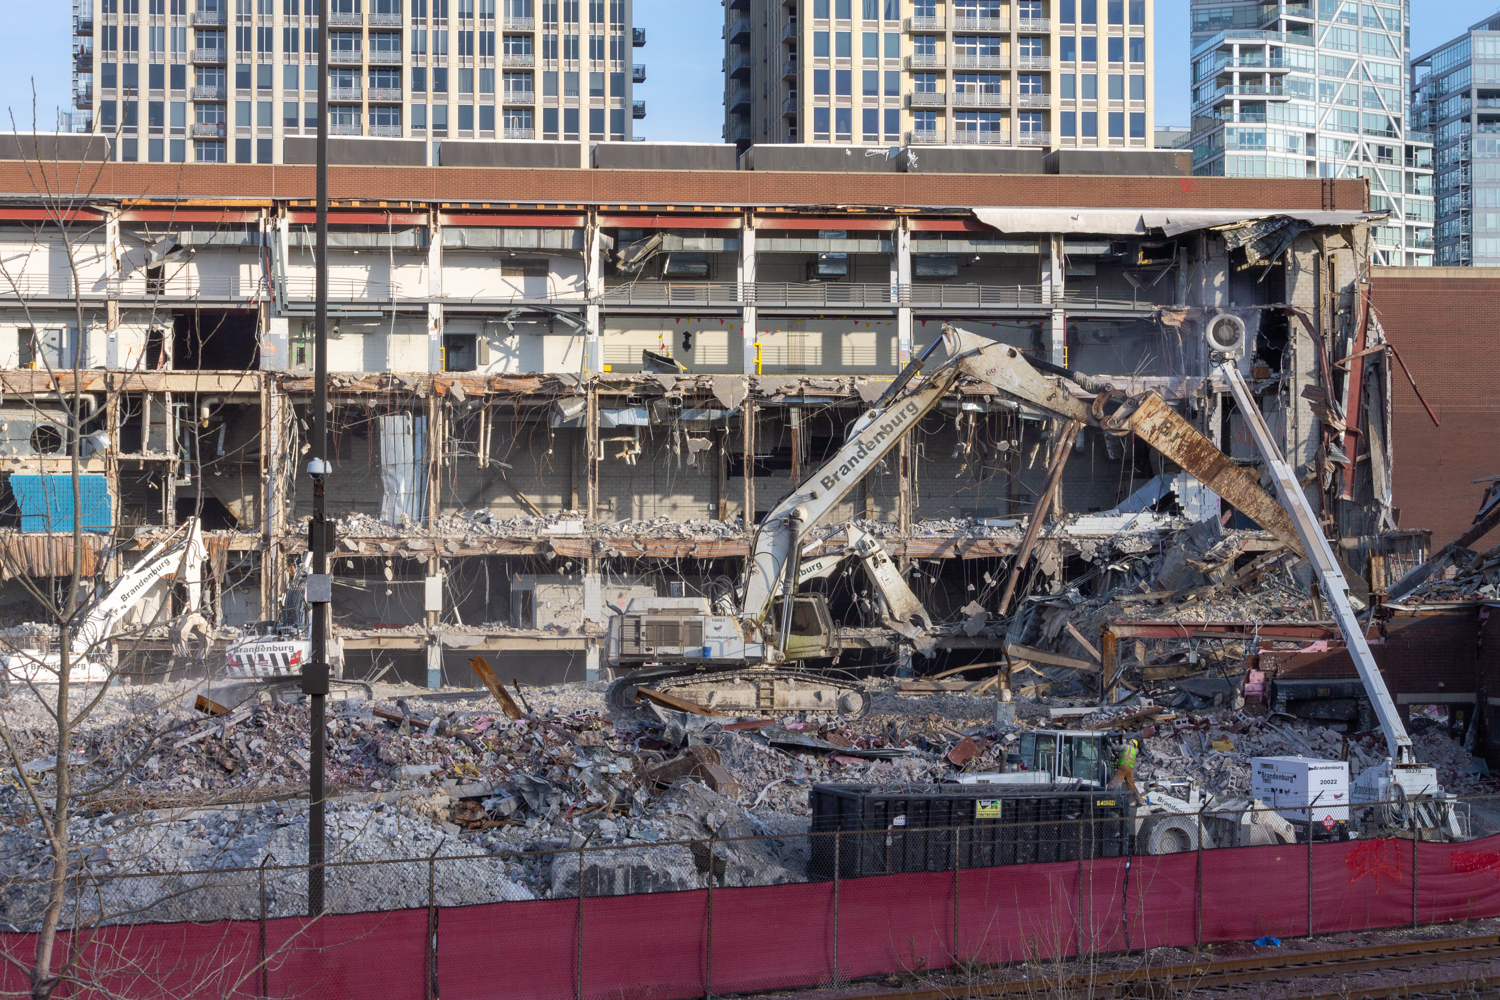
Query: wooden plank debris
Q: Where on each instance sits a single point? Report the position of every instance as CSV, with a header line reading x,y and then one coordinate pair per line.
x,y
507,704
1052,659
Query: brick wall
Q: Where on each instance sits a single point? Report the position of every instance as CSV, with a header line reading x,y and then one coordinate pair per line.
x,y
1444,323
1427,655
1487,657
666,187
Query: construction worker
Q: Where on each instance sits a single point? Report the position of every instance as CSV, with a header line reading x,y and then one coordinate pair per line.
x,y
1125,767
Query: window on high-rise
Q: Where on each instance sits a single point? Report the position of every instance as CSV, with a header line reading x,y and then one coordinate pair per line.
x,y
974,123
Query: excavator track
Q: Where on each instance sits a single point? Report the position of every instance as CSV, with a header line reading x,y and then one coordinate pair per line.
x,y
761,693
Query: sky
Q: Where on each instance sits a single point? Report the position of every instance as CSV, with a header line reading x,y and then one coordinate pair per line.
x,y
684,86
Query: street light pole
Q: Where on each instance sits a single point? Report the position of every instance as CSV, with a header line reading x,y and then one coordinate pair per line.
x,y
319,585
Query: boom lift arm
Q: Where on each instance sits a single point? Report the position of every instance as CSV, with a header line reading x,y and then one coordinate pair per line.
x,y
1331,578
180,556
1147,416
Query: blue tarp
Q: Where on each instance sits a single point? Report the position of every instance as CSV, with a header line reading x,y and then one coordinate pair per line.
x,y
46,502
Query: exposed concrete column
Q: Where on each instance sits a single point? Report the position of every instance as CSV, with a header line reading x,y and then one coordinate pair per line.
x,y
275,344
903,286
435,446
747,426
435,295
746,276
1215,296
112,305
1054,287
591,430
904,498
275,511
434,622
593,341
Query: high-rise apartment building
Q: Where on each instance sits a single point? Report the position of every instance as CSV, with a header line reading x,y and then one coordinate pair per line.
x,y
226,81
1071,73
1456,97
1314,89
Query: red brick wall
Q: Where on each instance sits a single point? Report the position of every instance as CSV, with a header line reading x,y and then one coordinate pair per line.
x,y
1419,655
1445,323
1488,662
669,187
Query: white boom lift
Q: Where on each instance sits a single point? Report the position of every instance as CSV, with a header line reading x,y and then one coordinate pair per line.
x,y
179,557
739,662
1405,790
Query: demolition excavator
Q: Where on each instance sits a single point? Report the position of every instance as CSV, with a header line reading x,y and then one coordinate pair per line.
x,y
178,557
761,655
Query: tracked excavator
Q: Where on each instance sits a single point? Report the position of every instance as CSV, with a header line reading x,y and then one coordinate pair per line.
x,y
179,557
771,652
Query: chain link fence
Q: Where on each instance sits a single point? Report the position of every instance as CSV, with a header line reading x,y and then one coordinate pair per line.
x,y
675,919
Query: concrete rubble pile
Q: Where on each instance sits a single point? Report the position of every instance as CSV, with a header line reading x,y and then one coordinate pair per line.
x,y
1468,576
410,780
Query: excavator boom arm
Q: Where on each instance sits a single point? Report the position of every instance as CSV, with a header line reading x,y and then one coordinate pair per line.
x,y
1149,417
786,526
182,551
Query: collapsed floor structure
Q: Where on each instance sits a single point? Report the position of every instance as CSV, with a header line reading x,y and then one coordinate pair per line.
x,y
540,410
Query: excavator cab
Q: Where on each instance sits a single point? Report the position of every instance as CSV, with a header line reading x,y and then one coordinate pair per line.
x,y
813,634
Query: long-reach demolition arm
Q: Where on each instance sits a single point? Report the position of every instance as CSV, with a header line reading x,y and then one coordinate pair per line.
x,y
181,553
1147,416
778,543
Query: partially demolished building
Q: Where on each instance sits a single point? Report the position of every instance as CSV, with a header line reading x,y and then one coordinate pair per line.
x,y
558,389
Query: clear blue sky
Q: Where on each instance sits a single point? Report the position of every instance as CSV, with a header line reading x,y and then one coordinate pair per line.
x,y
683,88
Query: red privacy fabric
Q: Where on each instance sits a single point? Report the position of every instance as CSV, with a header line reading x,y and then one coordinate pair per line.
x,y
677,945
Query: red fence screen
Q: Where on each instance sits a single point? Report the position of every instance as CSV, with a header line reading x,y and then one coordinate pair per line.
x,y
671,945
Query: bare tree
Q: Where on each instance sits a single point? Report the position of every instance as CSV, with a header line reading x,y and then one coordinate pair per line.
x,y
62,757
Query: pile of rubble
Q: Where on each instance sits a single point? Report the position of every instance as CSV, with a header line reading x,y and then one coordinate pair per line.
x,y
465,525
512,799
666,527
1467,576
